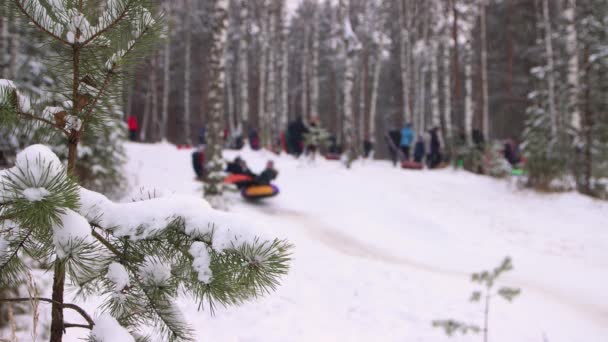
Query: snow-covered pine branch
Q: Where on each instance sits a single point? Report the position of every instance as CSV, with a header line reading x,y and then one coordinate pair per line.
x,y
140,253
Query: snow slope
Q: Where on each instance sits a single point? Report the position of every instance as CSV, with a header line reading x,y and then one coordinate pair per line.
x,y
381,252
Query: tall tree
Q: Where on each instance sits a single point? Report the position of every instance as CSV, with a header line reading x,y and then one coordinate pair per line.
x,y
485,111
168,7
405,53
350,45
187,124
213,185
244,66
550,66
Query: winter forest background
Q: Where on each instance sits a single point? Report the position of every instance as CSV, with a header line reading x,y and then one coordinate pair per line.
x,y
364,250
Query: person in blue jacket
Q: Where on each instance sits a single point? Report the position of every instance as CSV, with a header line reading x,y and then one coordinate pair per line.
x,y
407,138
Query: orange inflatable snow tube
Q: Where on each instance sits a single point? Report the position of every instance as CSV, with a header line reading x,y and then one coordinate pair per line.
x,y
260,191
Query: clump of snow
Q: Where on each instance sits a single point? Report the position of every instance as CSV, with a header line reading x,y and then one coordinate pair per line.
x,y
107,329
154,272
71,233
35,194
117,274
144,219
73,123
201,261
37,159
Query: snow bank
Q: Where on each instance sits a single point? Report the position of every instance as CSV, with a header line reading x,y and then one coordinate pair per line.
x,y
73,231
117,274
107,329
201,261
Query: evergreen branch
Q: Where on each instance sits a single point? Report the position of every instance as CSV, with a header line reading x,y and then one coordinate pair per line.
x,y
109,27
21,244
38,25
74,307
72,325
108,78
104,242
31,117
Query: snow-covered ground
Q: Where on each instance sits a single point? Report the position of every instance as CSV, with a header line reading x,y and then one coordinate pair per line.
x,y
382,252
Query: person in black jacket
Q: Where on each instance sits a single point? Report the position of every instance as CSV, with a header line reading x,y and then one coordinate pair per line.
x,y
393,138
435,146
419,150
268,175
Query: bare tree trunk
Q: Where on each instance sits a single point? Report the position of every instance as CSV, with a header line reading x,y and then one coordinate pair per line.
x,y
455,69
244,68
213,186
3,40
573,68
263,70
404,48
154,112
187,139
348,52
230,101
374,100
468,100
435,112
485,115
284,67
550,66
314,93
15,46
271,117
166,72
447,91
305,74
145,124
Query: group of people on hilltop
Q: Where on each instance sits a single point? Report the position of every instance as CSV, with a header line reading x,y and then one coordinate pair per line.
x,y
415,148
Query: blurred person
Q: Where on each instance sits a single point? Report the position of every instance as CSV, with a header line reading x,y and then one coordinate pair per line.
x,y
407,138
133,126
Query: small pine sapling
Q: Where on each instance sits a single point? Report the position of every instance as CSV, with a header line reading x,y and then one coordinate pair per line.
x,y
486,279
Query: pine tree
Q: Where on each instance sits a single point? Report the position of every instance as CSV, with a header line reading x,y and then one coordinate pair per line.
x,y
167,245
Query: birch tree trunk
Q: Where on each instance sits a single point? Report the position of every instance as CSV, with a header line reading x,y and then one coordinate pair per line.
x,y
186,139
485,114
271,109
405,52
305,81
348,52
166,71
447,90
244,68
316,36
573,68
550,66
263,70
435,112
284,112
213,186
374,99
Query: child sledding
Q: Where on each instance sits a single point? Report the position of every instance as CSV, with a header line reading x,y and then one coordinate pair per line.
x,y
252,186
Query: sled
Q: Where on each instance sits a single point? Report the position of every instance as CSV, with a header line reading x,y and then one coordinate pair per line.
x,y
257,192
412,165
235,178
332,156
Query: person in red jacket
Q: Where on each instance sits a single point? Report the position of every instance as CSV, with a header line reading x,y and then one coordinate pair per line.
x,y
133,127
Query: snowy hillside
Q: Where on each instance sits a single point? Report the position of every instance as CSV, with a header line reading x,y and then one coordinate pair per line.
x,y
381,252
